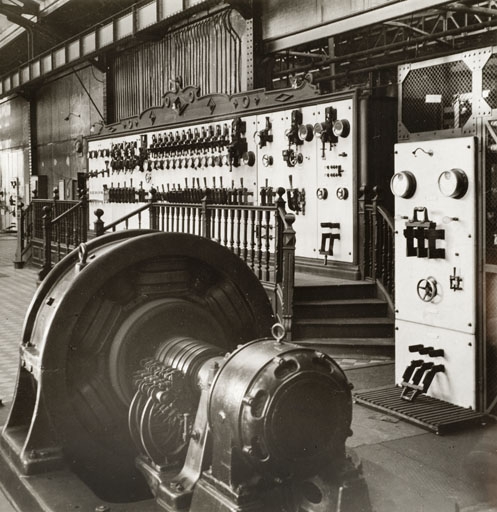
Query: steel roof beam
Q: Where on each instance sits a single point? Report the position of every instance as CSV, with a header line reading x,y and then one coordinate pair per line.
x,y
373,16
473,9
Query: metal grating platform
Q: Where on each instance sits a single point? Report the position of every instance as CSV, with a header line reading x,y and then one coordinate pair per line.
x,y
429,413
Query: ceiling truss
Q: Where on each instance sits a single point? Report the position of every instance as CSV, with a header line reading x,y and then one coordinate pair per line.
x,y
449,28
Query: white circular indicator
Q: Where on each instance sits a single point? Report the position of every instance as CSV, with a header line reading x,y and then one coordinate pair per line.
x,y
403,184
341,128
453,183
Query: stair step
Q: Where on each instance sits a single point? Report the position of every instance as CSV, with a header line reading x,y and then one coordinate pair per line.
x,y
348,347
367,327
348,290
368,307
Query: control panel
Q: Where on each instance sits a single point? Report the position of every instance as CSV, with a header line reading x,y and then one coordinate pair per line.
x,y
435,268
243,160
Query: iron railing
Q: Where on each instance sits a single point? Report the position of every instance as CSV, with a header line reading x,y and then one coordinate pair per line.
x,y
262,236
62,231
377,231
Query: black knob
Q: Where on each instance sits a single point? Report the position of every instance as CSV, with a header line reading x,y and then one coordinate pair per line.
x,y
415,348
248,158
438,352
425,350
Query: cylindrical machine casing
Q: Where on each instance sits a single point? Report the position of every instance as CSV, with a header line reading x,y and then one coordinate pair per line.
x,y
287,408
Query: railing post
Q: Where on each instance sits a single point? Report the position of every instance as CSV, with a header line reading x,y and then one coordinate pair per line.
x,y
285,264
98,225
55,198
362,231
206,219
18,262
84,218
374,222
153,212
55,211
47,242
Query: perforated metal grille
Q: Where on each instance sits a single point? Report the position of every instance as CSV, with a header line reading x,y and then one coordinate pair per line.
x,y
489,75
437,97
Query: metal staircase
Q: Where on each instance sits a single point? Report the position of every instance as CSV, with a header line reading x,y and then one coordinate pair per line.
x,y
343,314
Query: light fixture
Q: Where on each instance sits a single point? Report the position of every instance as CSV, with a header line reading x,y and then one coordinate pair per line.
x,y
93,127
71,114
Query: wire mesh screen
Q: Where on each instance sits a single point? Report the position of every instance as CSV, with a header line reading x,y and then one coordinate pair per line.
x,y
489,74
491,259
437,97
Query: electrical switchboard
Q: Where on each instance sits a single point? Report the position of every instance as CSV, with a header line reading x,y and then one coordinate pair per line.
x,y
436,268
308,150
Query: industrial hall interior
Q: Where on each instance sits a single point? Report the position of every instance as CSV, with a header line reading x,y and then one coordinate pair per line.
x,y
248,256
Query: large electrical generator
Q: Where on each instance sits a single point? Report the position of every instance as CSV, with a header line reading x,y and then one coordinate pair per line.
x,y
146,370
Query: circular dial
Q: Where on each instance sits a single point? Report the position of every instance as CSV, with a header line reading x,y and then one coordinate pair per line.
x,y
258,138
305,132
453,183
341,128
403,184
321,131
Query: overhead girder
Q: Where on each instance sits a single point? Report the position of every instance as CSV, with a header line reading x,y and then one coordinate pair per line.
x,y
16,14
27,7
443,28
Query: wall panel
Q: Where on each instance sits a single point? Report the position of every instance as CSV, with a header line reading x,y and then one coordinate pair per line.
x,y
64,116
14,157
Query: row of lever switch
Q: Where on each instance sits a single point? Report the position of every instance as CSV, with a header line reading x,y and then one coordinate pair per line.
x,y
422,373
432,352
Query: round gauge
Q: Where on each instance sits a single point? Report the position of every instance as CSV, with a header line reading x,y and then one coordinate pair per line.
x,y
305,132
257,138
403,184
453,183
319,129
341,128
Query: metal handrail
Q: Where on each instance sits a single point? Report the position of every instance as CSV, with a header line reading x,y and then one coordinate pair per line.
x,y
262,236
387,216
124,218
379,239
66,213
63,233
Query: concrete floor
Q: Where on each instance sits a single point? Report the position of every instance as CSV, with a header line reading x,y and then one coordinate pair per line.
x,y
406,468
